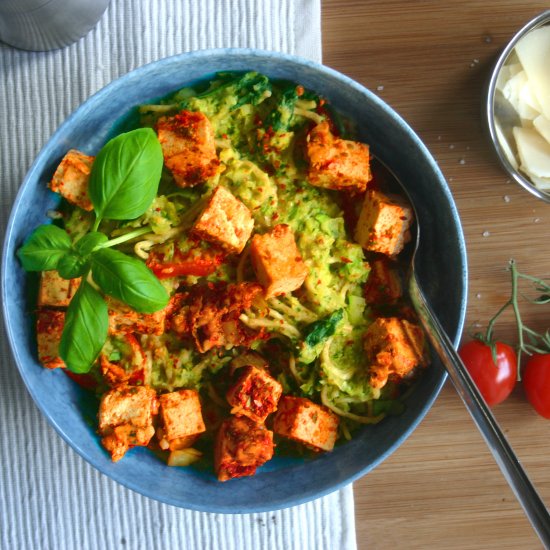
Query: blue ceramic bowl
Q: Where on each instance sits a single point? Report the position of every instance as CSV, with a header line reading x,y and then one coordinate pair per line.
x,y
282,482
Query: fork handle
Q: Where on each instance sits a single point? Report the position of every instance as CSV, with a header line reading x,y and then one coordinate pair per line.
x,y
505,457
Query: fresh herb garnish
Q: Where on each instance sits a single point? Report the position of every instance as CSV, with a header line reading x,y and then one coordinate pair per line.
x,y
123,183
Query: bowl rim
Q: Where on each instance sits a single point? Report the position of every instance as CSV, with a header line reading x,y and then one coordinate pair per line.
x,y
538,21
260,55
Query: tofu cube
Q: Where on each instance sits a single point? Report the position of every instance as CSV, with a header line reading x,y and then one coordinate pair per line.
x,y
384,283
123,319
225,221
303,420
242,446
71,178
277,262
55,291
255,394
49,328
394,347
336,163
383,224
181,417
126,418
188,146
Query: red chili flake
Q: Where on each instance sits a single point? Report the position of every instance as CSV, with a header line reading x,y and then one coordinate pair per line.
x,y
345,260
275,216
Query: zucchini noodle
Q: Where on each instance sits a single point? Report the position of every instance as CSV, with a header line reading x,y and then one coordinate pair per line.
x,y
151,239
309,114
355,417
274,325
329,366
306,104
290,306
142,248
293,370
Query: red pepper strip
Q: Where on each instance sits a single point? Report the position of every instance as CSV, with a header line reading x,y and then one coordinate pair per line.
x,y
85,380
199,267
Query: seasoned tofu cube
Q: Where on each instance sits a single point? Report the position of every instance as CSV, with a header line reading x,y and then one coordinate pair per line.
x,y
55,291
123,319
383,224
384,283
122,360
187,141
181,416
394,347
255,394
336,163
303,420
242,446
225,221
49,328
277,262
71,177
126,418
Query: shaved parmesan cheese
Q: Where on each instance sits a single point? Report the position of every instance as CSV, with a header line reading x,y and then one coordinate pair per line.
x,y
507,150
527,96
512,89
541,183
503,77
533,51
525,82
534,152
542,124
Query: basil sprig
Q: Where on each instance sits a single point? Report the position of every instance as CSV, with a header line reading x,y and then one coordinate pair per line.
x,y
123,183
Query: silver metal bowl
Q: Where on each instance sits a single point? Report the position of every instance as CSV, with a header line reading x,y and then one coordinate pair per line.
x,y
496,107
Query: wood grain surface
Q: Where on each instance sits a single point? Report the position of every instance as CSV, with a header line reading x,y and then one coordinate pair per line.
x,y
430,61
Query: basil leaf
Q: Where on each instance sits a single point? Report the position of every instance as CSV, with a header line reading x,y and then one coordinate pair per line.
x,y
126,174
129,280
88,242
85,330
72,265
44,248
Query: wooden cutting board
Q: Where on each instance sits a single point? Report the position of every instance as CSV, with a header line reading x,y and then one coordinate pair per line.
x,y
430,61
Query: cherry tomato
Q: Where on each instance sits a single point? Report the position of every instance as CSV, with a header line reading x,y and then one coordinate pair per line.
x,y
494,382
536,382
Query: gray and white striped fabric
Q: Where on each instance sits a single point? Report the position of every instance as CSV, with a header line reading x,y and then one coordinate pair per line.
x,y
50,498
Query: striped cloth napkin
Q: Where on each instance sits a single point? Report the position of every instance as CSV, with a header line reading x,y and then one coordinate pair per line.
x,y
50,498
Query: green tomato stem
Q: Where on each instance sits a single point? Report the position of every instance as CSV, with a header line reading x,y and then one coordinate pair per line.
x,y
538,343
